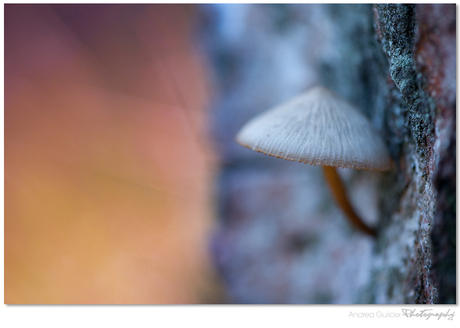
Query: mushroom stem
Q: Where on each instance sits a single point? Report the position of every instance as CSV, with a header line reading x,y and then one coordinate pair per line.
x,y
338,190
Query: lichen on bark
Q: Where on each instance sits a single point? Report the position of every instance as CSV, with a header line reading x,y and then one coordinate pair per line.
x,y
396,27
402,31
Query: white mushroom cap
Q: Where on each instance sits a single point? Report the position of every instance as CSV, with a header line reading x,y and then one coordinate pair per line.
x,y
317,128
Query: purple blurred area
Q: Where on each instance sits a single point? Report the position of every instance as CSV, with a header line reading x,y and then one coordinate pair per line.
x,y
108,163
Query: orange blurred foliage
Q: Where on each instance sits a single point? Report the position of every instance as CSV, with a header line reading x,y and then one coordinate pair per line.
x,y
108,168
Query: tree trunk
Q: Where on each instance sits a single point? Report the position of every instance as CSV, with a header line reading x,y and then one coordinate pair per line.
x,y
280,237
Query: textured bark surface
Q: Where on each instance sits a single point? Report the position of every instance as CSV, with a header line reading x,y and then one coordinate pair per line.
x,y
418,45
280,238
435,59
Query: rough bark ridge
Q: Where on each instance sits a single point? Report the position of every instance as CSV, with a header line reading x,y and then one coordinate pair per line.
x,y
419,46
280,238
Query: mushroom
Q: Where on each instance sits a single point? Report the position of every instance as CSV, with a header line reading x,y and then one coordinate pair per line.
x,y
320,128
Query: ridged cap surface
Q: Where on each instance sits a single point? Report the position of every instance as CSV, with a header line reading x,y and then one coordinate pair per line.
x,y
318,128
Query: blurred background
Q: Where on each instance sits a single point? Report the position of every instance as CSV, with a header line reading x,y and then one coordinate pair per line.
x,y
108,162
123,182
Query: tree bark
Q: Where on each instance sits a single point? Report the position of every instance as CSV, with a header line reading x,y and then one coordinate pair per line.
x,y
280,238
